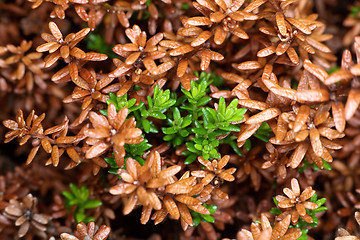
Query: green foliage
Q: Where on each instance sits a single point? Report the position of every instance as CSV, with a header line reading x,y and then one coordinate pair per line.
x,y
158,104
294,84
354,11
248,145
302,225
198,217
80,198
212,78
96,42
204,124
263,133
121,102
177,133
185,6
148,2
113,166
188,120
334,68
134,151
326,166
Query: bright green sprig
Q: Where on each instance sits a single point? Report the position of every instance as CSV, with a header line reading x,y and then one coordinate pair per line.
x,y
121,102
158,104
188,118
264,132
198,217
354,11
215,123
177,133
80,198
192,116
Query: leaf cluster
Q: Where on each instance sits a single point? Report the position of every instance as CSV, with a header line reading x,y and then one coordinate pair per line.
x,y
201,127
301,224
79,197
189,119
198,217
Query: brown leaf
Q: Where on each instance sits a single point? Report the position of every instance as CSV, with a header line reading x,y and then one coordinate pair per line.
x,y
187,200
198,21
316,95
315,70
97,150
169,172
171,207
301,118
264,116
55,31
298,155
281,24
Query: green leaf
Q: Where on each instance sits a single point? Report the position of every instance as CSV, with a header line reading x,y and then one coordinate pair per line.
x,y
234,146
80,217
185,6
68,195
92,204
207,218
176,114
354,11
326,165
321,201
320,209
212,208
303,234
170,130
190,159
196,221
84,193
275,211
96,42
184,133
247,145
103,112
221,107
313,198
178,141
149,100
75,190
75,201
231,128
203,101
208,117
146,125
186,121
139,160
148,2
191,147
89,219
200,131
158,115
263,133
238,115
